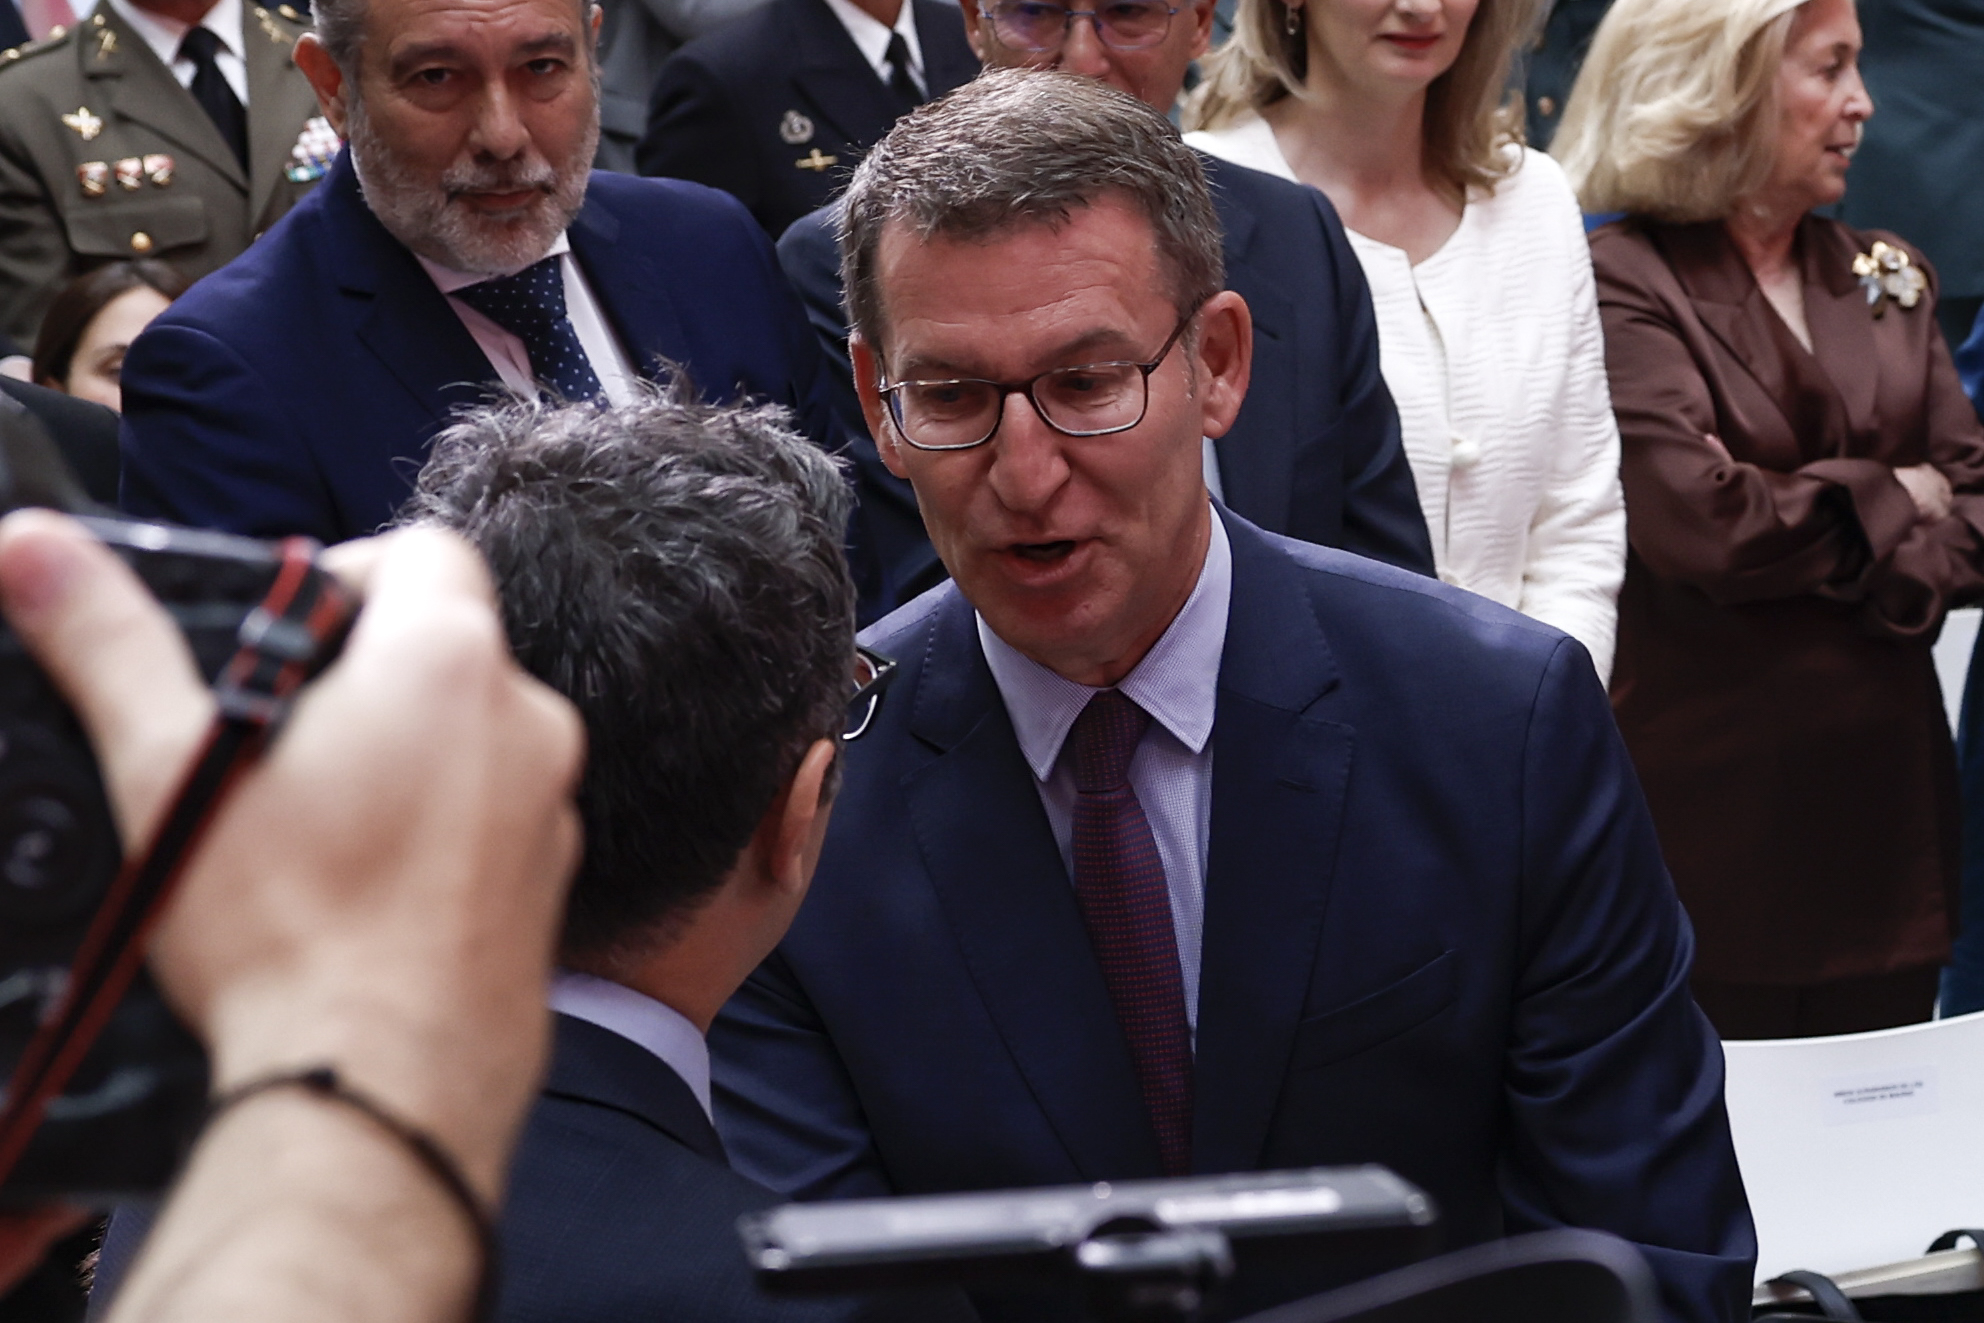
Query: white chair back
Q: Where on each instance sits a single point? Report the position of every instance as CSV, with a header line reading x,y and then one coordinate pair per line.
x,y
1860,1149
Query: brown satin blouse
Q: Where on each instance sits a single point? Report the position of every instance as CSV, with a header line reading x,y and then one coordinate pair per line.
x,y
1774,679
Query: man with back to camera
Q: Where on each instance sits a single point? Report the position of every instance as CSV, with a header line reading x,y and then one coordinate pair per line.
x,y
1182,847
297,391
1315,452
675,570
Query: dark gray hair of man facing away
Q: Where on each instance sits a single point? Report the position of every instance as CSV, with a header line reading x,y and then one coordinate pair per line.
x,y
674,569
1020,146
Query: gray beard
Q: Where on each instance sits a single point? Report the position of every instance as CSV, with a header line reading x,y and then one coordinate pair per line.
x,y
426,216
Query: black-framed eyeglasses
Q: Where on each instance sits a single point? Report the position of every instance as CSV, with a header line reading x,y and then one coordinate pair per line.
x,y
1089,399
872,673
1124,25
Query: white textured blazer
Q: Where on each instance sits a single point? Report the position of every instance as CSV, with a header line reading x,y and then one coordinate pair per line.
x,y
1493,352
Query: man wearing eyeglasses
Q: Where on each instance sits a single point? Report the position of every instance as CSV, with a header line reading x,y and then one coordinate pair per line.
x,y
1181,847
675,570
1315,451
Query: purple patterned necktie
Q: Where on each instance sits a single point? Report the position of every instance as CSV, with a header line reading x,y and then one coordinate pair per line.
x,y
1119,884
531,306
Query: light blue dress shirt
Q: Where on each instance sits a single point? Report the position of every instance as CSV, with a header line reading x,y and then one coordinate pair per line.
x,y
1177,683
641,1020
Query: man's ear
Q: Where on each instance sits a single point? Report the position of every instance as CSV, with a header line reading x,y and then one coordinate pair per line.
x,y
326,78
1224,359
1202,14
802,819
972,32
595,17
868,385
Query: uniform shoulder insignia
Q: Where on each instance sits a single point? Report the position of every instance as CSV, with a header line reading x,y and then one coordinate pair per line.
x,y
270,28
54,41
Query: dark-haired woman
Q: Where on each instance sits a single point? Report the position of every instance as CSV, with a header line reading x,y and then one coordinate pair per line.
x,y
80,350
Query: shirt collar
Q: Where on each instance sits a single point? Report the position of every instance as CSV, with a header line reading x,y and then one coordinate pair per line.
x,y
1176,682
448,280
164,34
871,35
641,1020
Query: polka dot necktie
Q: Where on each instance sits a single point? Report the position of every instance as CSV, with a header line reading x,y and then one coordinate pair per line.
x,y
1126,906
531,306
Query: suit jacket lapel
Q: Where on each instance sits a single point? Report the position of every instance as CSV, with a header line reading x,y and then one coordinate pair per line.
x,y
1842,325
1727,299
836,78
145,92
1281,773
1258,483
408,324
992,859
626,281
282,101
594,1065
948,60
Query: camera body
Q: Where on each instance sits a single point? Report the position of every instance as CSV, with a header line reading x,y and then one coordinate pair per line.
x,y
123,1123
1149,1251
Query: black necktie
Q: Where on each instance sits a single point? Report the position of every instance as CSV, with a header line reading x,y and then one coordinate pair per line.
x,y
908,95
531,306
210,89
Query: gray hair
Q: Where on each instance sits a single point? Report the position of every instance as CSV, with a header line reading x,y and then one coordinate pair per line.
x,y
1019,145
340,26
675,569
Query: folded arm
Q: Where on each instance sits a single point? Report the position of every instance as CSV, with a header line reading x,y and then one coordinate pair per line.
x,y
1843,529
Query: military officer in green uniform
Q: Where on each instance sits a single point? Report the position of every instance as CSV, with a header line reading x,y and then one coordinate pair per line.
x,y
175,129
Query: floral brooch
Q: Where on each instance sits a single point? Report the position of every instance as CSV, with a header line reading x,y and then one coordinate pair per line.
x,y
1888,273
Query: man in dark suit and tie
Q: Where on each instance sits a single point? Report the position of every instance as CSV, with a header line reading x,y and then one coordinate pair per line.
x,y
1315,453
459,241
675,570
776,107
1181,846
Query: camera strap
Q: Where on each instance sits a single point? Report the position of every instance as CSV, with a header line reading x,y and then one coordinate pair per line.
x,y
282,643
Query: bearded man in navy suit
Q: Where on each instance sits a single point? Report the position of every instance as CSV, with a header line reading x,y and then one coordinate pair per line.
x,y
1182,846
459,241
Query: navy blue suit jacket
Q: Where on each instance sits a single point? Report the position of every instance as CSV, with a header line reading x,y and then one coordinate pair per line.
x,y
620,1205
296,389
85,434
1438,936
1315,452
726,108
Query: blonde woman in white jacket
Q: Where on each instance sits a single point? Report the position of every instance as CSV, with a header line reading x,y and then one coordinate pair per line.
x,y
1475,251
